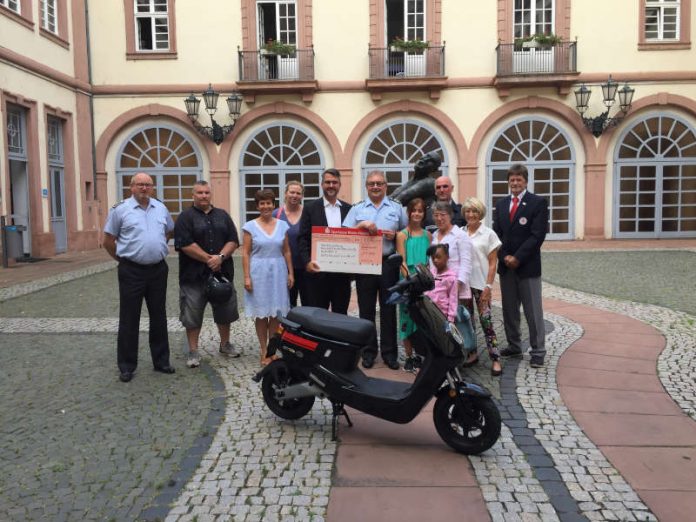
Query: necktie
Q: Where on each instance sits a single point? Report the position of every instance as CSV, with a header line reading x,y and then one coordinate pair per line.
x,y
513,210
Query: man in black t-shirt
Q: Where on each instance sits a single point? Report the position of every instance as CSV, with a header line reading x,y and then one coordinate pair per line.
x,y
205,238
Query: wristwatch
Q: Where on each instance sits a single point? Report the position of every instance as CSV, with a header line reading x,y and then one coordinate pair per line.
x,y
489,286
222,256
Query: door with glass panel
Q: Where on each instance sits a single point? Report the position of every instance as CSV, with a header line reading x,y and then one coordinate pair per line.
x,y
169,157
532,17
19,177
405,20
275,155
545,150
277,22
56,173
396,147
655,179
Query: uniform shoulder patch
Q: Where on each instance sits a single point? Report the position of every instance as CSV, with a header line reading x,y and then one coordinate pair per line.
x,y
119,203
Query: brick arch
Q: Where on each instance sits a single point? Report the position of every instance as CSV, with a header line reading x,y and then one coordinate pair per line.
x,y
404,107
144,112
651,102
279,109
527,105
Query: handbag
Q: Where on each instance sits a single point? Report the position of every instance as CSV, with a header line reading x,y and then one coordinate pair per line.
x,y
463,323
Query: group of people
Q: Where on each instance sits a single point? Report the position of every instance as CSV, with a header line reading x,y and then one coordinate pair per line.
x,y
463,253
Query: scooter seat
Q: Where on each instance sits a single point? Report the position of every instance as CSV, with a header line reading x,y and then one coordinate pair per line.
x,y
332,325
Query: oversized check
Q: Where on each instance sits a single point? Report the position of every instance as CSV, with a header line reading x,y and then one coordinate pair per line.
x,y
349,250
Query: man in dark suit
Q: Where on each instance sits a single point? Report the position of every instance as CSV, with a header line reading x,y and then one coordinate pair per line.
x,y
521,221
324,289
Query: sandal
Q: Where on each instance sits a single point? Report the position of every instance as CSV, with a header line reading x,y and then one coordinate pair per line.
x,y
496,372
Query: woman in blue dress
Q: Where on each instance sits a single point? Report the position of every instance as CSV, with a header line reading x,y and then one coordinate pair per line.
x,y
268,273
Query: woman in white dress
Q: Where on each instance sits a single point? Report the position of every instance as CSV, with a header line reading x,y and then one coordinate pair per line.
x,y
268,271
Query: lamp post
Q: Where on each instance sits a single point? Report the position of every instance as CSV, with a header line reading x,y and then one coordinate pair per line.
x,y
215,132
599,124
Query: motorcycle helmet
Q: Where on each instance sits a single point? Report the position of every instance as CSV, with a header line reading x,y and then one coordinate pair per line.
x,y
218,289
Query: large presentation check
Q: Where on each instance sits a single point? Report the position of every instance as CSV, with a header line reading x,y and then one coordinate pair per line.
x,y
349,250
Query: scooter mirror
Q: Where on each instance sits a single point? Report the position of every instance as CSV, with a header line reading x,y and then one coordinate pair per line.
x,y
394,260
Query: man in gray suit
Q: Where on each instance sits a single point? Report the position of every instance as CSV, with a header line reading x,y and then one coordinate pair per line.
x,y
521,220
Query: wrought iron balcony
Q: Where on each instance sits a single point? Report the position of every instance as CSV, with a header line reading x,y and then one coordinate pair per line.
x,y
531,64
519,59
261,66
261,72
391,63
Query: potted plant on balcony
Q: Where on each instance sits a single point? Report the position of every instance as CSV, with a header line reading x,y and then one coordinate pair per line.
x,y
276,47
538,41
408,46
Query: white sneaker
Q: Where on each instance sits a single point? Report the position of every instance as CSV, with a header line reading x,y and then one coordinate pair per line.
x,y
193,361
228,349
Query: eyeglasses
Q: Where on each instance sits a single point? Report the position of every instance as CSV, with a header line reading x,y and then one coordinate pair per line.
x,y
375,183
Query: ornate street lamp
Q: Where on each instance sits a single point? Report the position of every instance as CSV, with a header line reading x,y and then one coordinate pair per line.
x,y
215,131
599,124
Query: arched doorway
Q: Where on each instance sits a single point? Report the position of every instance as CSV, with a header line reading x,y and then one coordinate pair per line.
x,y
546,152
655,179
276,154
169,157
395,148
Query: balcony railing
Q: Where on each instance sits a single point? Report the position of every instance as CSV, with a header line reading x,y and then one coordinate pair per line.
x,y
261,66
516,59
389,63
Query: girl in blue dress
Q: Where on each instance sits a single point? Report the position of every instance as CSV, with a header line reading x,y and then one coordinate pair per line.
x,y
268,271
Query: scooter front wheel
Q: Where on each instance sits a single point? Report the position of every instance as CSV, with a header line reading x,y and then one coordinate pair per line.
x,y
469,425
289,409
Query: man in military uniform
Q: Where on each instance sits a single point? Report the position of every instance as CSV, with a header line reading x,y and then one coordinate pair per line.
x,y
379,213
135,235
205,237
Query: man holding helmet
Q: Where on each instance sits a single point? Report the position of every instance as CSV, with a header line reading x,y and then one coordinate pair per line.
x,y
205,238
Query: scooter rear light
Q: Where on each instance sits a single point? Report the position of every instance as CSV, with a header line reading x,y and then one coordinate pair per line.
x,y
299,341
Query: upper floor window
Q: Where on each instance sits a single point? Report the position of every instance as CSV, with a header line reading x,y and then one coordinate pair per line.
x,y
49,15
11,4
662,19
152,25
405,20
277,21
533,17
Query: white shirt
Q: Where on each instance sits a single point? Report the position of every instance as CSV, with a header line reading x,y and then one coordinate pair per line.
x,y
333,213
485,241
519,199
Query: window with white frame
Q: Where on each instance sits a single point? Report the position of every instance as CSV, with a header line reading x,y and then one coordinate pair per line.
x,y
11,4
662,19
152,25
405,20
49,18
533,17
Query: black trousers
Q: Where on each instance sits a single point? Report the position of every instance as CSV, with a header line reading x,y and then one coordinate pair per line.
x,y
368,287
299,288
326,290
135,283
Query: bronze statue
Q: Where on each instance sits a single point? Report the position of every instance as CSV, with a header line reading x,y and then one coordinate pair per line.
x,y
422,184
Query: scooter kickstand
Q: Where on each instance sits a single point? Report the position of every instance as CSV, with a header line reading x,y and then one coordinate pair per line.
x,y
337,411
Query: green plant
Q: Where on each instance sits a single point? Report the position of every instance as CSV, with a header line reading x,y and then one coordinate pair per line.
x,y
409,45
278,47
542,39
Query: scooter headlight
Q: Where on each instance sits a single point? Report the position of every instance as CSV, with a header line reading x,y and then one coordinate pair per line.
x,y
455,333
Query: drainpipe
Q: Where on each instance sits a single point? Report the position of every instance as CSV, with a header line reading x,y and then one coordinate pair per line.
x,y
91,103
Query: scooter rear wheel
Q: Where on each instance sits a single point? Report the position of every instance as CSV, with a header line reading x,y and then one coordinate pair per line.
x,y
469,425
289,409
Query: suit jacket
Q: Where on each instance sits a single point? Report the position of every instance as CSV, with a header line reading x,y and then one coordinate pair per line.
x,y
523,236
313,215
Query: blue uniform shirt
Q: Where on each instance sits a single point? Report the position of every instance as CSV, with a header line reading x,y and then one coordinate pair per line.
x,y
389,215
141,234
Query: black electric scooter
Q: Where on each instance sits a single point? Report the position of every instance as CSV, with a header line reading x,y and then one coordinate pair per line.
x,y
319,353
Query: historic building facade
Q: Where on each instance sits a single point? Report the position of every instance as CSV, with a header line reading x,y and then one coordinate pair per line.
x,y
93,91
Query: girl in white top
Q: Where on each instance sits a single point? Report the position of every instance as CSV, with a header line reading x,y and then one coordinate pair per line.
x,y
483,267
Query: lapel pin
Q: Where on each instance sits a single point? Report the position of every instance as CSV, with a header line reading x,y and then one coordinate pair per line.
x,y
523,221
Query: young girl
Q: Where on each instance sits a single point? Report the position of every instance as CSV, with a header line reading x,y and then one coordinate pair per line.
x,y
444,295
412,243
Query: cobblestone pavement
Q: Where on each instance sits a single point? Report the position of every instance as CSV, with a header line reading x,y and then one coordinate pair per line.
x,y
74,452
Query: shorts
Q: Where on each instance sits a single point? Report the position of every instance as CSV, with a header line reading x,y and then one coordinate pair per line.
x,y
192,301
